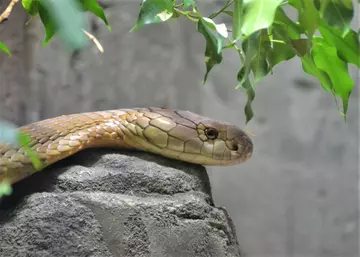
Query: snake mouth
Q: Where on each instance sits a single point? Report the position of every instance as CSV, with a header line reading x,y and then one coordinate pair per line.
x,y
239,154
228,157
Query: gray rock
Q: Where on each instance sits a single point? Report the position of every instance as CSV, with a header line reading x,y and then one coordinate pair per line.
x,y
103,203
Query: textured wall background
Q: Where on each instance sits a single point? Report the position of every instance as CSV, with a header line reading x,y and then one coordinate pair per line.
x,y
297,197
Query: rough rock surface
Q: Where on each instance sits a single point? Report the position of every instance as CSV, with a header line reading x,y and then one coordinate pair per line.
x,y
103,203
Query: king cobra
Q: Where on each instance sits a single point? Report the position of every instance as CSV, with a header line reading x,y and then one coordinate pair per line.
x,y
176,134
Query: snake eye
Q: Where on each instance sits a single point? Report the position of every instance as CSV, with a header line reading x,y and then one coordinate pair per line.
x,y
211,133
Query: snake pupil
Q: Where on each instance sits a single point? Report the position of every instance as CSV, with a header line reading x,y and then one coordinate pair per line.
x,y
211,133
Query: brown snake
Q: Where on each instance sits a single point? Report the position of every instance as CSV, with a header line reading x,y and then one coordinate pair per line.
x,y
175,134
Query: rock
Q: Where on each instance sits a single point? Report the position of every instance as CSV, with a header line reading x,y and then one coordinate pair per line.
x,y
103,203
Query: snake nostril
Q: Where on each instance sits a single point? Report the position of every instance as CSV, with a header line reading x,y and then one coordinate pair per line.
x,y
235,147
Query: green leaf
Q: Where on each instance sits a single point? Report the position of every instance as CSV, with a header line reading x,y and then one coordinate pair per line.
x,y
4,48
244,82
24,140
213,47
66,18
259,64
250,92
300,46
310,68
31,6
219,28
281,50
5,189
337,13
284,23
250,47
220,31
49,24
238,17
348,47
153,11
327,60
258,14
259,67
188,3
308,16
93,7
9,134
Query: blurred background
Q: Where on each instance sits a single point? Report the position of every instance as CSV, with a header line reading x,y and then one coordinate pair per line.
x,y
298,195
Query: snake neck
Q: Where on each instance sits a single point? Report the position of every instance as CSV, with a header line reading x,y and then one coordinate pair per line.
x,y
58,138
65,135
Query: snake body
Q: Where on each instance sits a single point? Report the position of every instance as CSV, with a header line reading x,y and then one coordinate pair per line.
x,y
175,134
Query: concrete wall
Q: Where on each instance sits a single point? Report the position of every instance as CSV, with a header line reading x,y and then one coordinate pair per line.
x,y
297,197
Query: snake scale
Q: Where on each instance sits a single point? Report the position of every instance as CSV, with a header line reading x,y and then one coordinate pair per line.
x,y
175,134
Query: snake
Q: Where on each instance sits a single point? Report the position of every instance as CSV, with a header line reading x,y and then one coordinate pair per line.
x,y
171,133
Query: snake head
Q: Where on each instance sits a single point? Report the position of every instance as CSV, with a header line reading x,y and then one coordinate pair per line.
x,y
193,138
225,143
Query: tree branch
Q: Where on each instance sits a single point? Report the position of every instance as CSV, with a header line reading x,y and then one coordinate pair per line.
x,y
5,15
94,39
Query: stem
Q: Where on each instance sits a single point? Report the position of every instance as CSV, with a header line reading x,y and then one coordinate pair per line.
x,y
240,52
6,13
188,16
277,41
94,39
228,3
179,5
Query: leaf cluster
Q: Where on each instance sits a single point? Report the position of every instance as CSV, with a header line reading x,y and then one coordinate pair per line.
x,y
65,18
261,33
263,36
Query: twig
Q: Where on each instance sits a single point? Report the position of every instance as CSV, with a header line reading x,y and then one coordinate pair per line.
x,y
228,3
96,42
249,132
240,52
188,16
5,15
